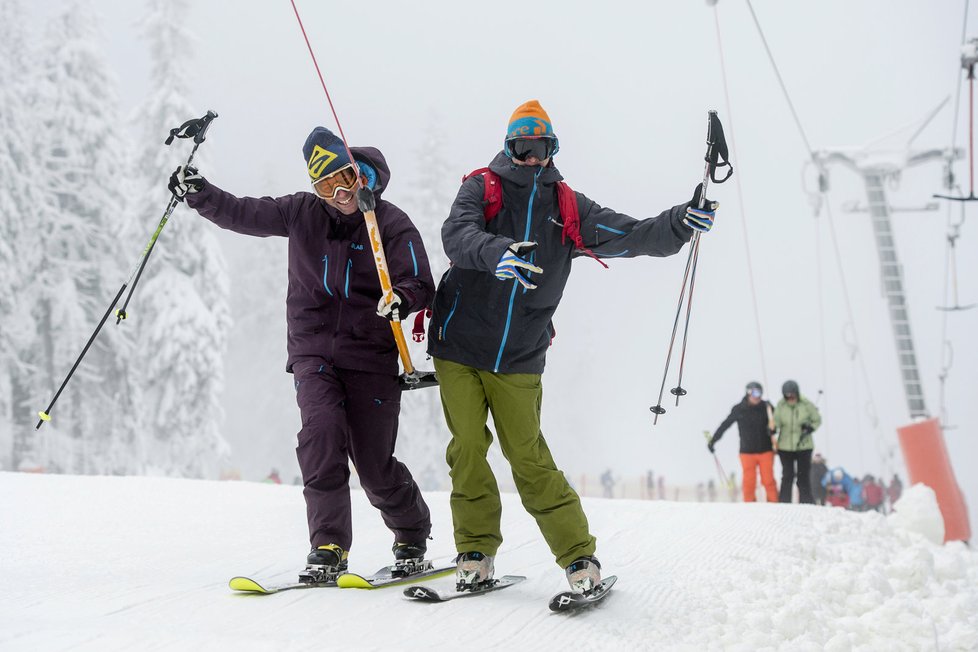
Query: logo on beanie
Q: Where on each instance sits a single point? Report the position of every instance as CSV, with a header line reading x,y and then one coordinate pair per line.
x,y
319,160
529,127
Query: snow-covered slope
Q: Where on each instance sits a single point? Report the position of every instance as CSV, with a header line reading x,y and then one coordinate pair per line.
x,y
107,563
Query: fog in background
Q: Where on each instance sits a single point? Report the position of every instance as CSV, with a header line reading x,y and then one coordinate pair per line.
x,y
627,87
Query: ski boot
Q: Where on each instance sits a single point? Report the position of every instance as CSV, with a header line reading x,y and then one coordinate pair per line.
x,y
409,559
473,572
584,574
324,564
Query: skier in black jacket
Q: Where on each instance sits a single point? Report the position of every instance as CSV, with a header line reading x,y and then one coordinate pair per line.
x,y
755,421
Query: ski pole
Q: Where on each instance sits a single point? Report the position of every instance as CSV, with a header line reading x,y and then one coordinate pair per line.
x,y
716,149
196,129
411,378
724,480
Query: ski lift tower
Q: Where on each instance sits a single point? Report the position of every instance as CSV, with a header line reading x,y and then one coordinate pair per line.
x,y
922,441
877,166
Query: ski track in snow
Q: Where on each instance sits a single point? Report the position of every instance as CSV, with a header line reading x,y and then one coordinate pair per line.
x,y
106,563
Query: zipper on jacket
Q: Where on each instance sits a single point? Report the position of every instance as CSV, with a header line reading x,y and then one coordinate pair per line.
x,y
444,327
516,284
325,275
346,282
414,259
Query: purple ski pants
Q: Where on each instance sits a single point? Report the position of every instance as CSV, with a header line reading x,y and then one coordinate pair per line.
x,y
352,415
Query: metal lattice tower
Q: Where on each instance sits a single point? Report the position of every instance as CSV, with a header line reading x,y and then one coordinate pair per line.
x,y
875,172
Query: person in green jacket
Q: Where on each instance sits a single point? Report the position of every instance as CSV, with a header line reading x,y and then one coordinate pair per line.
x,y
795,418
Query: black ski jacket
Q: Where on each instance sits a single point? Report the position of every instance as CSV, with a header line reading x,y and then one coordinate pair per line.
x,y
752,422
483,322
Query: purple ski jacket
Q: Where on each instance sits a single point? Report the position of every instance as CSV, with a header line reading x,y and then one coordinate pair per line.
x,y
333,284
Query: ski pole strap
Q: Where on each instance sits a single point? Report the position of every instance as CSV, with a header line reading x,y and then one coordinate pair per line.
x,y
717,149
195,128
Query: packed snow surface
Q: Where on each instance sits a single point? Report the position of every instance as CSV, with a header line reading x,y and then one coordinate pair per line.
x,y
114,563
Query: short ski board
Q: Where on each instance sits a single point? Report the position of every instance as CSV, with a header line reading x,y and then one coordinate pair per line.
x,y
383,578
569,600
428,594
248,585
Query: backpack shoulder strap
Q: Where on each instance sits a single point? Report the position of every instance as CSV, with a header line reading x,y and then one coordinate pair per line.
x,y
571,217
492,195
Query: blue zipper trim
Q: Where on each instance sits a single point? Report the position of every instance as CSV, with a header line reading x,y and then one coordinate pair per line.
x,y
414,259
444,328
512,296
609,229
325,272
346,283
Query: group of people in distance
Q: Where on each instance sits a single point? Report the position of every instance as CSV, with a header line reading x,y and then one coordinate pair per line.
x,y
786,429
488,336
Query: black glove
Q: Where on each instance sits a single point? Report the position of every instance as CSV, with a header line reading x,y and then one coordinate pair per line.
x,y
710,444
700,219
806,429
184,181
387,310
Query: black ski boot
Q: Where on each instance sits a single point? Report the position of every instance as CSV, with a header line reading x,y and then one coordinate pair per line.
x,y
409,559
324,564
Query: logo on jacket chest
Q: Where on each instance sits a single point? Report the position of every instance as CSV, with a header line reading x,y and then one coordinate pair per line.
x,y
356,246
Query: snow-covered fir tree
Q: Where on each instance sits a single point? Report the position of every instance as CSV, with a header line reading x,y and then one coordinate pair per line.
x,y
21,201
423,435
81,254
181,304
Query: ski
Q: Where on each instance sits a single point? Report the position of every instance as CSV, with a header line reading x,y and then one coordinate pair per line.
x,y
569,600
248,585
386,576
428,594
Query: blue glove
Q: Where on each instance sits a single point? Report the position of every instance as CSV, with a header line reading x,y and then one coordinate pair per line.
x,y
512,264
700,219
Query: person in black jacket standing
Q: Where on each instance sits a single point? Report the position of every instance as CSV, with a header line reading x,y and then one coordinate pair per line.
x,y
755,421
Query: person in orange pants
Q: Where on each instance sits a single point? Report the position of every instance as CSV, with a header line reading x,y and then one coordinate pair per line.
x,y
755,421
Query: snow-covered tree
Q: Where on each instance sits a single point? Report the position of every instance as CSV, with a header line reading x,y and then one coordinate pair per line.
x,y
181,304
21,201
81,255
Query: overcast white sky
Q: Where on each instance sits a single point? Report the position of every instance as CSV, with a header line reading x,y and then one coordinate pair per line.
x,y
627,86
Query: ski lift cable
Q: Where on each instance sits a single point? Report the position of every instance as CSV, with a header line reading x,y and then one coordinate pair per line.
x,y
784,89
952,229
740,200
823,190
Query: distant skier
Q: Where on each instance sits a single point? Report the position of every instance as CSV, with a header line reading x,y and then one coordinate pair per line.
x,y
608,484
341,348
492,326
795,418
755,423
873,494
894,491
837,485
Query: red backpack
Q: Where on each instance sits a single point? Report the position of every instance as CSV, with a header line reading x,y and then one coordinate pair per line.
x,y
566,204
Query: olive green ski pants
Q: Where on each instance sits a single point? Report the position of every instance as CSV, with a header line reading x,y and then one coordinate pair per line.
x,y
468,396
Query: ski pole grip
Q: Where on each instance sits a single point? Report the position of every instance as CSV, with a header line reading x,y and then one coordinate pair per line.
x,y
205,122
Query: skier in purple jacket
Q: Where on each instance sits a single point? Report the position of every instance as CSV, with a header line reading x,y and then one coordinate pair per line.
x,y
341,349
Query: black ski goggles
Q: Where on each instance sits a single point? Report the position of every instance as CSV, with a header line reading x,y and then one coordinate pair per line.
x,y
540,147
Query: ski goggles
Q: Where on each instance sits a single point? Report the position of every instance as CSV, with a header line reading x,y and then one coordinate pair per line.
x,y
756,393
343,179
540,147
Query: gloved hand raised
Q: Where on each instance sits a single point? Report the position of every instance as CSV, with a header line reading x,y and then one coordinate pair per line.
x,y
700,219
388,310
513,265
184,181
710,444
